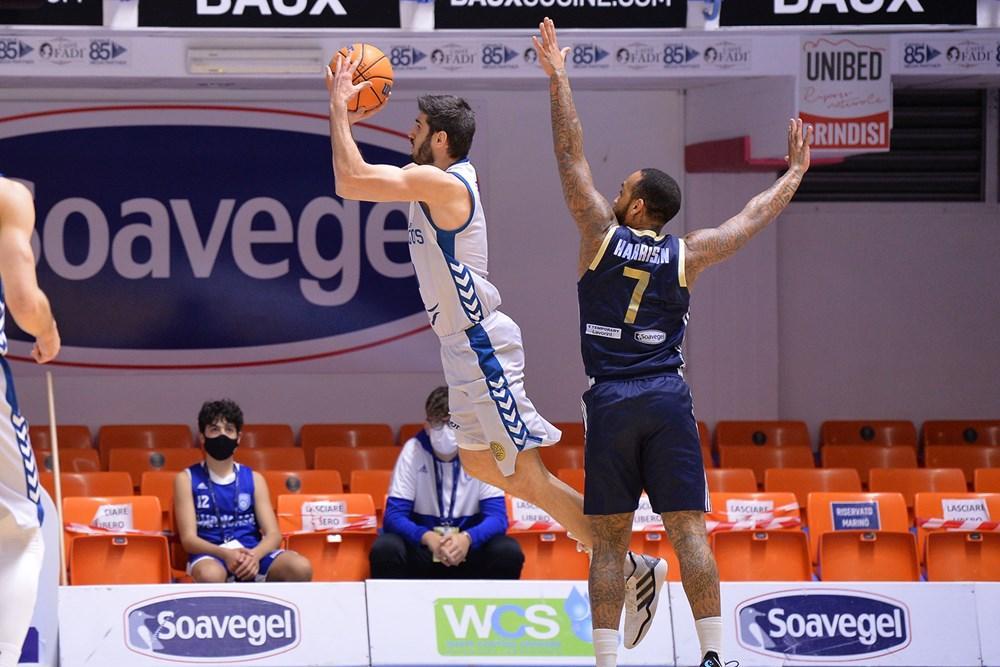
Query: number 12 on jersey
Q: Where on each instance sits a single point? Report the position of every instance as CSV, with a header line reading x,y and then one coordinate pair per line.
x,y
640,288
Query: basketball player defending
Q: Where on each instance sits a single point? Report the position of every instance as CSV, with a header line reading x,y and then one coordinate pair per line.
x,y
498,429
21,546
633,292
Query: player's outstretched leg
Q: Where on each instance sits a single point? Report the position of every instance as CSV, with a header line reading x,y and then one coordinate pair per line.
x,y
607,586
21,551
700,577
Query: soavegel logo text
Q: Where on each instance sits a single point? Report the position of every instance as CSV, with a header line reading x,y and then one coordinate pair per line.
x,y
212,628
221,242
831,625
507,627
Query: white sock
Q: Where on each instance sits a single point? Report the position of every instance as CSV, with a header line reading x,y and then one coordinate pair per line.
x,y
606,647
710,635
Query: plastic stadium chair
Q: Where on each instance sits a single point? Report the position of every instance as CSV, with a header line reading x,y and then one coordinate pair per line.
x,y
745,555
731,479
89,484
160,483
704,435
137,461
760,459
407,431
116,558
561,456
803,481
892,516
375,483
782,504
987,480
868,556
910,481
706,457
966,457
548,552
71,436
272,458
572,476
334,556
761,433
344,435
71,460
982,432
280,482
886,433
346,459
930,505
572,433
142,436
266,435
865,457
963,556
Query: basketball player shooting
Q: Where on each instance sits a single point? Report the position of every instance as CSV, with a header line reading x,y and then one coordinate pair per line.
x,y
497,428
633,289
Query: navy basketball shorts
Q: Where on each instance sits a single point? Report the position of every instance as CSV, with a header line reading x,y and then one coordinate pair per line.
x,y
641,434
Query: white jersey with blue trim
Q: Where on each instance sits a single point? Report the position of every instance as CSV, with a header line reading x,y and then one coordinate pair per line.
x,y
451,265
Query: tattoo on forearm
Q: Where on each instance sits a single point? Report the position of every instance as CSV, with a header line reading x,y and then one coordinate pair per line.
x,y
699,573
607,583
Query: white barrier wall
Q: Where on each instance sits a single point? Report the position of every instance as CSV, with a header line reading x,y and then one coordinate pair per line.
x,y
988,612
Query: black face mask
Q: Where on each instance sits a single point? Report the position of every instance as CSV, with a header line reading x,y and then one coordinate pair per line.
x,y
221,447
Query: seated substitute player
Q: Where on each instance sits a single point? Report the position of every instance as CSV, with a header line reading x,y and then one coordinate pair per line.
x,y
223,511
633,289
497,427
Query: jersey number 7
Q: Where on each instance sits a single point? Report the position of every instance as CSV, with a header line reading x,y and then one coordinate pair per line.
x,y
640,288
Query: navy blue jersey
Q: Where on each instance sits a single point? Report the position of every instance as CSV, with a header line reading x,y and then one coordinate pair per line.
x,y
633,305
225,512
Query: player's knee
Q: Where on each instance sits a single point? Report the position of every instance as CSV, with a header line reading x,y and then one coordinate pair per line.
x,y
208,571
298,568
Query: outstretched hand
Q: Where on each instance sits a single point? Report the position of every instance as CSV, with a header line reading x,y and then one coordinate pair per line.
x,y
340,83
550,56
799,140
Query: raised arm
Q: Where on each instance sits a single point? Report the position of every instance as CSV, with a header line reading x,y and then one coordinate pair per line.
x,y
591,212
357,179
710,246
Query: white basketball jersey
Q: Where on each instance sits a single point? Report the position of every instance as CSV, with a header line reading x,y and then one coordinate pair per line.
x,y
451,265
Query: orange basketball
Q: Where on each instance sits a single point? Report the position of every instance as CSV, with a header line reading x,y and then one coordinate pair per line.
x,y
374,67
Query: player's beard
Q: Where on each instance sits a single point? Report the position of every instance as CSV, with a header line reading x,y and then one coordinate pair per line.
x,y
620,211
422,154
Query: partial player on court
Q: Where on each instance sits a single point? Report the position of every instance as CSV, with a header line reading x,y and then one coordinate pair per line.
x,y
634,290
21,515
497,427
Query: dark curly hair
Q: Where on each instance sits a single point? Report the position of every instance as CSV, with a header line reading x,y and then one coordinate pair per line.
x,y
437,405
226,409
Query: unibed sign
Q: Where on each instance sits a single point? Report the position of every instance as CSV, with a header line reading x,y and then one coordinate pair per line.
x,y
269,13
847,12
490,14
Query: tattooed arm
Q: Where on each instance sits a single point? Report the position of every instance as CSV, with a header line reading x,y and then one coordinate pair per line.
x,y
710,246
591,212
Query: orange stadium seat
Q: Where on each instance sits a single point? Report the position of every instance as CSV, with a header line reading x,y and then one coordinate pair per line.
x,y
561,456
137,461
865,457
731,479
375,483
731,506
272,458
548,552
115,558
868,556
71,460
71,436
339,556
280,482
160,483
910,481
407,431
344,435
745,555
987,480
760,459
931,505
254,436
803,481
142,436
572,433
89,484
887,433
761,433
885,512
983,432
346,459
704,435
572,476
966,457
963,556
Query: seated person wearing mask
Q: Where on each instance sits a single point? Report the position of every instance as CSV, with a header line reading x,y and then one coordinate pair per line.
x,y
223,511
440,523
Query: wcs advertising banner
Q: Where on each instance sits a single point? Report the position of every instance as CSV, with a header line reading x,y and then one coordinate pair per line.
x,y
51,12
207,237
492,14
269,13
739,13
